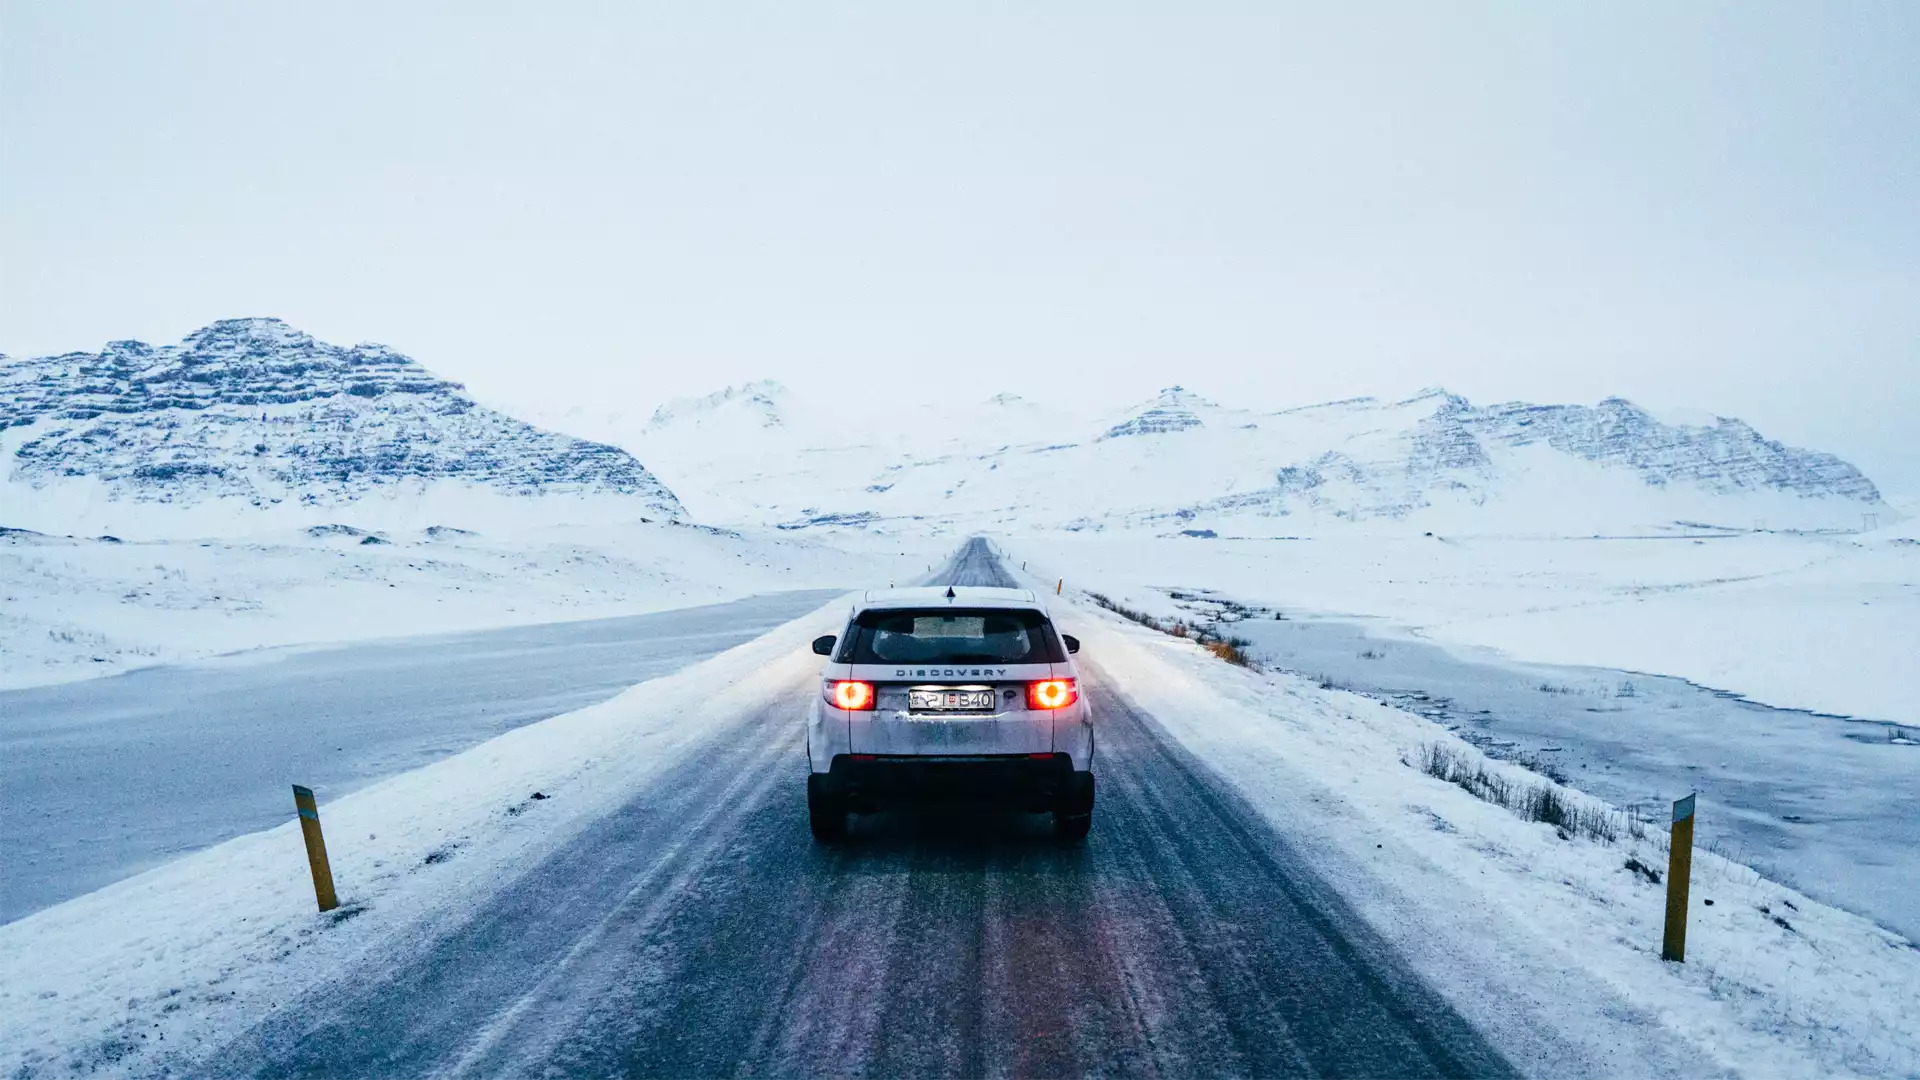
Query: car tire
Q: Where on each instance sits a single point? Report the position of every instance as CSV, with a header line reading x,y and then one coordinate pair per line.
x,y
826,809
1073,817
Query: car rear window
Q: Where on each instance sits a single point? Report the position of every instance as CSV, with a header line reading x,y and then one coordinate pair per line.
x,y
955,636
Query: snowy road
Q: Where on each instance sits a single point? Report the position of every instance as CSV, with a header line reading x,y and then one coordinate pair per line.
x,y
699,931
103,778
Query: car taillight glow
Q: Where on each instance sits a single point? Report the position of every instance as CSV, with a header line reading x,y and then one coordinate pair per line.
x,y
1052,694
852,695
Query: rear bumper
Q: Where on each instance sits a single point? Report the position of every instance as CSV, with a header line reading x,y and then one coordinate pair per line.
x,y
832,733
882,778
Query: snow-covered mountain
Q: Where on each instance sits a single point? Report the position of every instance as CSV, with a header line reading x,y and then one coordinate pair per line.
x,y
1176,409
1179,462
251,423
762,404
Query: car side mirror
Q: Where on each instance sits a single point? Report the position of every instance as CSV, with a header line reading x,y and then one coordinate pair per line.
x,y
1073,643
824,644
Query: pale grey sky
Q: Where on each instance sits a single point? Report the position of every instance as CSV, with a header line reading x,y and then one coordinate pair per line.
x,y
1712,206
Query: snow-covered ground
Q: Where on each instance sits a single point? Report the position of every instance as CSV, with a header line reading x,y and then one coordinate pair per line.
x,y
1846,832
74,608
1554,647
1825,623
1544,941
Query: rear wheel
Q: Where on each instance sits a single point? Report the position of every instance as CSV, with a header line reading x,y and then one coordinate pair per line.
x,y
1073,816
826,809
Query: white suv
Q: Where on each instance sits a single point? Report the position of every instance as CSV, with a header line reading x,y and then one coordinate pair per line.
x,y
949,692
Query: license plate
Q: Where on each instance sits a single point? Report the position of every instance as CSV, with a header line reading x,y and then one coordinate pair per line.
x,y
950,700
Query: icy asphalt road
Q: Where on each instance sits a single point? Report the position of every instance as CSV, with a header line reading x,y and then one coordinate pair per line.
x,y
100,779
700,931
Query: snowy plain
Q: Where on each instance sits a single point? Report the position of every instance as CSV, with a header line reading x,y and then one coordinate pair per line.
x,y
1845,832
1818,622
80,607
1645,668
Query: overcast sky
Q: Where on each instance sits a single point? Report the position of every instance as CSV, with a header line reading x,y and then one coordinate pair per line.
x,y
1697,206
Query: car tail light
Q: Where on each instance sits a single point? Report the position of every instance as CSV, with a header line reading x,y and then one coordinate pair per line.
x,y
1052,694
852,695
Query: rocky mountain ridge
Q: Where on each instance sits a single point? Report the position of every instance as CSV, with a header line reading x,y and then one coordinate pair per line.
x,y
762,400
1178,460
1728,456
1172,410
254,412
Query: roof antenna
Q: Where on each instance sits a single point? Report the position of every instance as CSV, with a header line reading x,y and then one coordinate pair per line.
x,y
949,592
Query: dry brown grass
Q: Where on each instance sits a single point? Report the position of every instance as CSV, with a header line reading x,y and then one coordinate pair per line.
x,y
1232,650
1543,801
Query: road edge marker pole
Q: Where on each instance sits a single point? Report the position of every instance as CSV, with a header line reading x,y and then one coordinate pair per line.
x,y
316,848
1058,585
1673,946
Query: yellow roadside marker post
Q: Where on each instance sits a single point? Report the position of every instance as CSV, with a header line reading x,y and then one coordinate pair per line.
x,y
1058,585
316,848
1679,873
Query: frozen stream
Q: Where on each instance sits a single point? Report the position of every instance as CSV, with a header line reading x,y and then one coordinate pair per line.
x,y
101,779
1824,803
